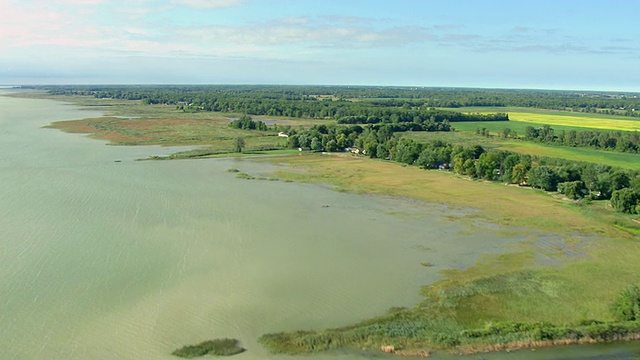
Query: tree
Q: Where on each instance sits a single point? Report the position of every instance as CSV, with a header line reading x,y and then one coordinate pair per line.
x,y
332,146
543,177
370,148
506,167
382,151
239,144
488,165
620,180
572,189
469,167
427,159
625,200
316,144
519,173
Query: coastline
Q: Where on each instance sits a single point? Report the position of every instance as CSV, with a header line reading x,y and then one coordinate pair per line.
x,y
328,173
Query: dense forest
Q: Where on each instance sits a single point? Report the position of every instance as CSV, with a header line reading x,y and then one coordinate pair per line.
x,y
269,100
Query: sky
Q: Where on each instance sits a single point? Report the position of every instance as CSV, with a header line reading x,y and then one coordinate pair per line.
x,y
559,44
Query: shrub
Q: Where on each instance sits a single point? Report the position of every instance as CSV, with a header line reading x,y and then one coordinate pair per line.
x,y
627,306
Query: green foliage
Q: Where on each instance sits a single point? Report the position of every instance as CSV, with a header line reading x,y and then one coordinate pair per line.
x,y
239,144
488,165
622,141
519,173
219,347
543,177
627,305
246,123
625,200
324,101
572,189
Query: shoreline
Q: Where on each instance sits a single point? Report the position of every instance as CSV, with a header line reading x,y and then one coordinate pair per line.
x,y
382,189
535,344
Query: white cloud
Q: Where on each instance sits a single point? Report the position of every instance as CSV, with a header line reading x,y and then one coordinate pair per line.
x,y
306,33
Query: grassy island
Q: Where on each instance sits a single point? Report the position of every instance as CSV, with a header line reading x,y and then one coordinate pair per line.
x,y
218,347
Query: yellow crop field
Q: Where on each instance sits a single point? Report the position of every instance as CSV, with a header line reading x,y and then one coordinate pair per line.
x,y
606,123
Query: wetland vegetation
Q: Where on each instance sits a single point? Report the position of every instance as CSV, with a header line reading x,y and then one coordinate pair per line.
x,y
217,347
384,140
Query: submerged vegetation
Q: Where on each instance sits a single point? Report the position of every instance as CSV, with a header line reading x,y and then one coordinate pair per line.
x,y
573,287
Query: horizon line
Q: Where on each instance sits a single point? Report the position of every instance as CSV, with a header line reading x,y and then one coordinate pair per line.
x,y
325,85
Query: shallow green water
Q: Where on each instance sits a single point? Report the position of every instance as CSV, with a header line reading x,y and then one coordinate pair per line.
x,y
129,260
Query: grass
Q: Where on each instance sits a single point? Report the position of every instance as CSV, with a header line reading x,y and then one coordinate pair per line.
x,y
170,132
219,347
496,202
622,160
496,127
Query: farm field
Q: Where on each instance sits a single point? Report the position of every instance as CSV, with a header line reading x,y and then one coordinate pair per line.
x,y
496,127
622,160
559,120
529,110
620,123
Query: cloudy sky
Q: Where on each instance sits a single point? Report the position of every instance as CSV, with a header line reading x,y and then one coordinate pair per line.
x,y
559,44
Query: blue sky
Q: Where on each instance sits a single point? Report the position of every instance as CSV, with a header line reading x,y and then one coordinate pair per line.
x,y
570,44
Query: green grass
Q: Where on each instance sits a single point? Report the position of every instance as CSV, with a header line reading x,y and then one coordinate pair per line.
x,y
496,127
219,347
623,160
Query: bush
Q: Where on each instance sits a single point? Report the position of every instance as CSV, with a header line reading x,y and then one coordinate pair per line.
x,y
625,200
627,306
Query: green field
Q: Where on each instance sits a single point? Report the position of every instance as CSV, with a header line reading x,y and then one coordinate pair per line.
x,y
496,127
623,160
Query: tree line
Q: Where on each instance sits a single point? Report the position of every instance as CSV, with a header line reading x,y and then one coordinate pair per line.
x,y
576,180
621,141
250,98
